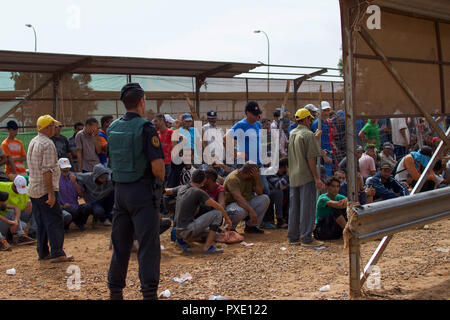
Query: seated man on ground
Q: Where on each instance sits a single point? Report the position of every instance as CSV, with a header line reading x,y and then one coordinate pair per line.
x,y
331,214
98,192
69,191
414,164
18,197
385,185
10,222
240,186
278,194
188,227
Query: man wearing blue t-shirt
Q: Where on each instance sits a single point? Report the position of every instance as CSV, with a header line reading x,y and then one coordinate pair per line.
x,y
247,132
326,132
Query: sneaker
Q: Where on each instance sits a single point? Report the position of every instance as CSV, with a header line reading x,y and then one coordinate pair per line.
x,y
183,245
253,230
107,223
213,249
295,242
314,243
23,240
4,245
267,225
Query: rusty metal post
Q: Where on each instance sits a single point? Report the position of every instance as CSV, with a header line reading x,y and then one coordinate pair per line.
x,y
56,79
350,125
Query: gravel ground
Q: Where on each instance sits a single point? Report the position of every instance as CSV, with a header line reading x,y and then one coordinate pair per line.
x,y
414,266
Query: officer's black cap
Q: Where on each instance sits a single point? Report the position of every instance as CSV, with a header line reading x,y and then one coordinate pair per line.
x,y
252,107
211,114
130,86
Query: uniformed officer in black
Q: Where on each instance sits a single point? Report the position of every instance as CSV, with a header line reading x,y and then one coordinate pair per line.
x,y
136,160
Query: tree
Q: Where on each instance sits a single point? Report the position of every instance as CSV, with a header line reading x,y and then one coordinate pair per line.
x,y
71,86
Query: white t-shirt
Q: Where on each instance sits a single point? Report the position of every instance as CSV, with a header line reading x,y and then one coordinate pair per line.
x,y
397,139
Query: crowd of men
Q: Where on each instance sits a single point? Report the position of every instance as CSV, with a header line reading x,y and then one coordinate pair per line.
x,y
116,171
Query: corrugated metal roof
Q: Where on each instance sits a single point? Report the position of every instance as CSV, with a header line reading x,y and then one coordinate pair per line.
x,y
53,62
439,9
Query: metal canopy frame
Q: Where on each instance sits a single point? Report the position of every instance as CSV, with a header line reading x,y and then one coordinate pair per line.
x,y
351,25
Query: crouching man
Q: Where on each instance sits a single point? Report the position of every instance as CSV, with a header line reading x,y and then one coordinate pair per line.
x,y
331,214
187,226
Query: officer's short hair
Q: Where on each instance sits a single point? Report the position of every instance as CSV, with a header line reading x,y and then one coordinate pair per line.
x,y
90,121
131,98
198,176
211,174
105,119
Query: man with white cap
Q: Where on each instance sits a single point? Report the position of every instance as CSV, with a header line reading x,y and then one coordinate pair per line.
x,y
43,189
327,135
18,197
69,191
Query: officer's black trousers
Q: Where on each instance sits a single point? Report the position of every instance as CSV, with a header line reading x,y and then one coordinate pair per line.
x,y
134,213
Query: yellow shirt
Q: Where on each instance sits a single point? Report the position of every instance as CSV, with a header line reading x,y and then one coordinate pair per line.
x,y
14,199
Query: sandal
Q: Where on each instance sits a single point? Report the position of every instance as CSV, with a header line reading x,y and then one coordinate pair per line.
x,y
213,249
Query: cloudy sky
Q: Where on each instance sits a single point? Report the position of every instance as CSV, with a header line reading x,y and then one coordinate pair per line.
x,y
301,32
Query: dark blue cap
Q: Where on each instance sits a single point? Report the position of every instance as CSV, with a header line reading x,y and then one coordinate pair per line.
x,y
130,86
252,107
211,114
187,117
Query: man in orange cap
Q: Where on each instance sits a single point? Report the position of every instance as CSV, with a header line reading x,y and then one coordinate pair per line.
x,y
43,188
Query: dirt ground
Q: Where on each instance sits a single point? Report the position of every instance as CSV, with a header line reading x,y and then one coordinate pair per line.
x,y
414,266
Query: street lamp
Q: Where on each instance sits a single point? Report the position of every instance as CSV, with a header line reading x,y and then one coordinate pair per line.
x,y
268,56
35,50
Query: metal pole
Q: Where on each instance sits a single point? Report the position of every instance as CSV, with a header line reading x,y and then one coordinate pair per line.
x,y
350,125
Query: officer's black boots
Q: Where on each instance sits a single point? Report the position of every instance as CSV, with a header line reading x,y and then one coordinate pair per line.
x,y
115,295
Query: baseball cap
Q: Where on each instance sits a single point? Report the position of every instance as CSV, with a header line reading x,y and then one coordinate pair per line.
x,y
44,121
386,165
187,117
21,184
325,105
12,125
168,118
302,114
311,108
388,145
252,107
64,163
211,114
130,86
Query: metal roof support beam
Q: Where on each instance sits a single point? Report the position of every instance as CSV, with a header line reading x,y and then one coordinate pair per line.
x,y
298,82
200,80
56,75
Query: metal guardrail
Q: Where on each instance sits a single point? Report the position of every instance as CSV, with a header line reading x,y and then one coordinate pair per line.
x,y
388,217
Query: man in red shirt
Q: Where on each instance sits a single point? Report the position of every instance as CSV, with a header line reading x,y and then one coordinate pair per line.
x,y
165,136
214,189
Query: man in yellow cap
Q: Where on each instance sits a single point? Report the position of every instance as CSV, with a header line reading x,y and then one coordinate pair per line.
x,y
303,151
43,188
